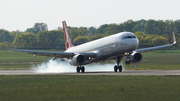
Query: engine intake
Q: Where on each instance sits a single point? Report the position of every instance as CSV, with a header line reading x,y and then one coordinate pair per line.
x,y
78,60
135,57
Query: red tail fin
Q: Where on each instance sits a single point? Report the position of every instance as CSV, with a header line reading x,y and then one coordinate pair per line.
x,y
67,37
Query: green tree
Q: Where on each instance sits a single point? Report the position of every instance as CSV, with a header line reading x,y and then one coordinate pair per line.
x,y
169,28
82,39
140,26
160,27
159,40
30,30
82,31
7,36
145,40
73,32
102,28
8,45
38,27
25,40
128,25
50,38
16,32
112,29
177,26
96,36
150,27
91,31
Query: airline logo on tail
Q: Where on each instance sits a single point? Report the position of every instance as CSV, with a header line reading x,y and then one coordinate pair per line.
x,y
67,37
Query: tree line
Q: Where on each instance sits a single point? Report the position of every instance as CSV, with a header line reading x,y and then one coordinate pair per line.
x,y
149,32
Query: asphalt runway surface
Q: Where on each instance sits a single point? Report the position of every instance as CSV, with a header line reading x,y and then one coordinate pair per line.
x,y
125,72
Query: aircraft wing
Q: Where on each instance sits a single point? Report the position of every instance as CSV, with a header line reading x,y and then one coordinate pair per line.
x,y
55,54
157,47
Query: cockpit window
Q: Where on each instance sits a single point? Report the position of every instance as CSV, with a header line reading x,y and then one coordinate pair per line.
x,y
128,37
133,36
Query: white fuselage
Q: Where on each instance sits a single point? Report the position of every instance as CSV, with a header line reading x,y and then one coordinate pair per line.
x,y
108,47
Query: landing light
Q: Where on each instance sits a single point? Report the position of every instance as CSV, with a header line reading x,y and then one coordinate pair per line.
x,y
126,54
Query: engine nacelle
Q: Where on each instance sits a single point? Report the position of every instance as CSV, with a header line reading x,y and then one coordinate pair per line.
x,y
135,57
78,60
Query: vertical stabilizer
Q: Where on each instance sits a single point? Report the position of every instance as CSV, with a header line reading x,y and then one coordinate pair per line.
x,y
67,37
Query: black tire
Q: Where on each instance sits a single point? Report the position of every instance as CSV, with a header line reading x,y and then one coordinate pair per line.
x,y
129,63
78,69
120,68
115,68
82,69
126,62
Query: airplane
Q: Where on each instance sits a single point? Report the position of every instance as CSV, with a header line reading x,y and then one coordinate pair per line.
x,y
114,47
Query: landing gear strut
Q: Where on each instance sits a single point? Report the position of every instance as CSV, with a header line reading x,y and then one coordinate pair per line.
x,y
116,67
127,61
79,68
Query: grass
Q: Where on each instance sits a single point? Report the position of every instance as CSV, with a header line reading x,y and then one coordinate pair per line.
x,y
89,88
15,66
9,56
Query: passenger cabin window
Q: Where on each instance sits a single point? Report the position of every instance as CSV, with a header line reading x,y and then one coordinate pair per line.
x,y
128,37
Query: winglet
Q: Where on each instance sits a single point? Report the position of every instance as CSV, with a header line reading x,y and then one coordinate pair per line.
x,y
67,37
174,38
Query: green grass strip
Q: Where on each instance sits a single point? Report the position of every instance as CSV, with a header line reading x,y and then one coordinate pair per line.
x,y
89,88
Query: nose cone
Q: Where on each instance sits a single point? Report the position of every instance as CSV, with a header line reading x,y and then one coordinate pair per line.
x,y
137,43
134,43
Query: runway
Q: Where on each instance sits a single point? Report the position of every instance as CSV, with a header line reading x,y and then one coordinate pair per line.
x,y
125,72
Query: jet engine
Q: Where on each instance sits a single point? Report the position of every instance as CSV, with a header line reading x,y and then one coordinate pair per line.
x,y
134,57
78,60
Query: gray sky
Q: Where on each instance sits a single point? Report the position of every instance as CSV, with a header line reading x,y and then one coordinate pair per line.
x,y
22,14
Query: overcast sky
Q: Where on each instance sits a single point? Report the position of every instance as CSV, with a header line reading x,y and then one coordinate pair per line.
x,y
22,14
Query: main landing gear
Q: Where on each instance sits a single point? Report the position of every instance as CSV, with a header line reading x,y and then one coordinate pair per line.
x,y
127,61
79,68
118,67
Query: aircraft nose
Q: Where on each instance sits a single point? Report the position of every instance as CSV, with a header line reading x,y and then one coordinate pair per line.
x,y
135,43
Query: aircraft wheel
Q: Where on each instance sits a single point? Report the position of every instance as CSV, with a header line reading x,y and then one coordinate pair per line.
x,y
82,69
115,68
78,69
129,62
120,68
